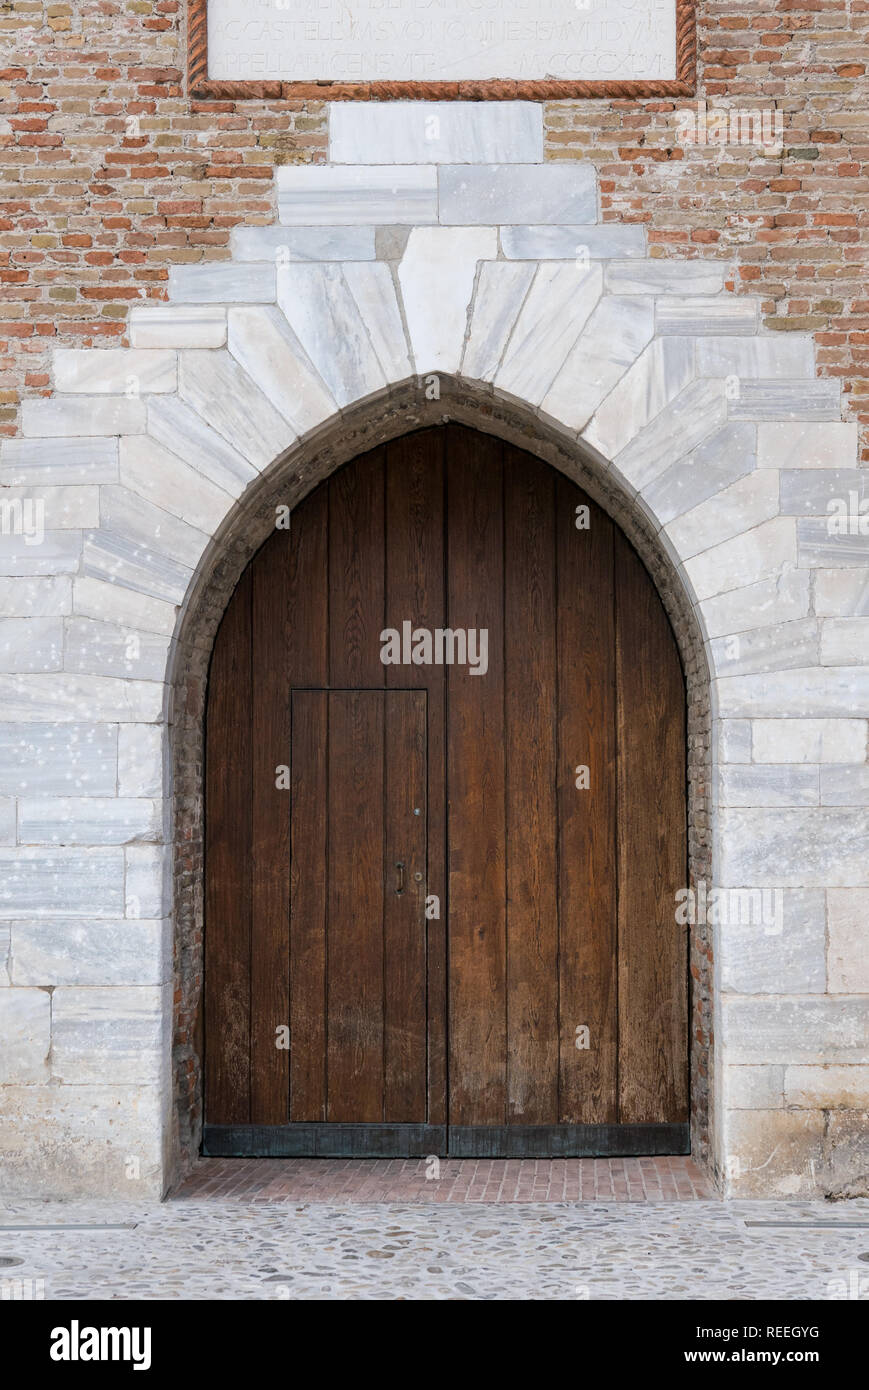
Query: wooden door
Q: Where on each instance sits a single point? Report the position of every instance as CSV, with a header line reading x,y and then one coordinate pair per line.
x,y
527,994
358,855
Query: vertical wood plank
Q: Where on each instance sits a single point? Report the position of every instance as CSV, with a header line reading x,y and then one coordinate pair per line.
x,y
308,591
587,969
475,763
653,971
309,860
309,666
228,866
355,907
531,838
404,893
270,847
415,592
356,572
308,646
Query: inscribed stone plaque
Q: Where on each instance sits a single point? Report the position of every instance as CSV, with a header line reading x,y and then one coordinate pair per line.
x,y
443,41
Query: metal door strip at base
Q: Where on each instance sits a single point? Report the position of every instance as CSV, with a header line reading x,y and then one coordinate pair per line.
x,y
455,1141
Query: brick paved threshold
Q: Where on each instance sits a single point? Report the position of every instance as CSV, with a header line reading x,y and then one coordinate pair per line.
x,y
672,1179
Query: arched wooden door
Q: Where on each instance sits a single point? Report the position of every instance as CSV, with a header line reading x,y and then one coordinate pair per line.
x,y
445,824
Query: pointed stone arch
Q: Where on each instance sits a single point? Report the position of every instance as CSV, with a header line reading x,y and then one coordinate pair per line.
x,y
390,415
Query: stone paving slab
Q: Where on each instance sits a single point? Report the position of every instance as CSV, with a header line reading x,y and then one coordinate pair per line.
x,y
208,1249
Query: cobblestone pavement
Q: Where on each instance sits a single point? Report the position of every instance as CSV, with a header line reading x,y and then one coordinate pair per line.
x,y
207,1248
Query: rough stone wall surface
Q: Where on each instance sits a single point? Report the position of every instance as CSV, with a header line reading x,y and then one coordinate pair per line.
x,y
110,175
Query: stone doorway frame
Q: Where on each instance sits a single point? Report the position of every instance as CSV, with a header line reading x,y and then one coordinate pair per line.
x,y
387,297
393,413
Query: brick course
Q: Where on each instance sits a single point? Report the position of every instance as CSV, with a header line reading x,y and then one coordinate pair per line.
x,y
110,175
352,1180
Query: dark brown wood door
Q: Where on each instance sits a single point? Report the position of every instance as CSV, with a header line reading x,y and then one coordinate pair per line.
x,y
450,628
357,906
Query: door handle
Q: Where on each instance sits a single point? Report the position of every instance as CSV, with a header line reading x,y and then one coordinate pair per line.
x,y
400,868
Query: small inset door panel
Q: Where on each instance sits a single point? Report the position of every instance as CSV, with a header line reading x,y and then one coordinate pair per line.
x,y
357,907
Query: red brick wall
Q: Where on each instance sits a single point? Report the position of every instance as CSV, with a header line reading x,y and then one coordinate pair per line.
x,y
109,173
95,204
795,229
